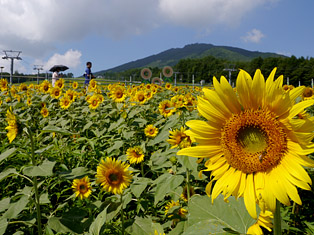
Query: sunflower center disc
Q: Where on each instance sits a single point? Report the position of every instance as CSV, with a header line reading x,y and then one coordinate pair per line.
x,y
254,141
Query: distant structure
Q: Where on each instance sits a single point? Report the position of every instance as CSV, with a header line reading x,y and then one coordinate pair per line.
x,y
13,55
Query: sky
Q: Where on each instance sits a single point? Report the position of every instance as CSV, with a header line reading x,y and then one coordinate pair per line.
x,y
113,32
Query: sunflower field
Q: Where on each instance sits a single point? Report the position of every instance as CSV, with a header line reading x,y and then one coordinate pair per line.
x,y
151,160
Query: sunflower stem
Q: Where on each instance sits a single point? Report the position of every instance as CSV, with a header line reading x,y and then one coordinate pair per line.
x,y
35,183
277,219
122,217
188,184
142,169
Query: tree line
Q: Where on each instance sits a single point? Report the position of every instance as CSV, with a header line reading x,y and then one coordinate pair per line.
x,y
296,69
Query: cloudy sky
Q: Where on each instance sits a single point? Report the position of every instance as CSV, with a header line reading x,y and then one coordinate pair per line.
x,y
112,32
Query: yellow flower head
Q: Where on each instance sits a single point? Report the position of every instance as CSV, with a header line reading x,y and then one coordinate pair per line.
x,y
3,84
254,141
118,94
29,101
56,92
44,112
45,86
60,83
23,87
178,138
71,95
12,127
75,85
308,93
140,97
168,86
113,175
151,131
94,102
65,102
82,187
135,154
170,205
166,108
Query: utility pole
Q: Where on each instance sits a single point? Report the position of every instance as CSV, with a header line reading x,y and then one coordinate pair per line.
x,y
1,71
230,70
38,68
13,55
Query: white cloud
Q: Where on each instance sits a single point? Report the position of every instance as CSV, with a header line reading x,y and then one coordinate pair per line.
x,y
72,59
206,14
254,36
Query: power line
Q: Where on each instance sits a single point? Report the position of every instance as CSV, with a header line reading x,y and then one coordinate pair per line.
x,y
13,55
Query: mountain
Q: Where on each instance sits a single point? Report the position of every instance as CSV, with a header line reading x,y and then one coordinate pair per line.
x,y
198,50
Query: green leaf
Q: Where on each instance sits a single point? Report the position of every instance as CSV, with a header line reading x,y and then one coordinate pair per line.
x,y
7,154
45,169
15,208
55,129
166,183
138,186
99,222
4,204
117,144
219,217
7,172
44,199
141,226
78,172
40,151
3,225
87,126
55,224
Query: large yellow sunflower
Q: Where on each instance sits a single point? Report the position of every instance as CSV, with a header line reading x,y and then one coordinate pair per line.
x,y
113,175
82,187
45,86
135,154
60,83
94,102
255,143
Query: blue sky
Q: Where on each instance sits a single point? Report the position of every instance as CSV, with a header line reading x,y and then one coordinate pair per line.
x,y
112,32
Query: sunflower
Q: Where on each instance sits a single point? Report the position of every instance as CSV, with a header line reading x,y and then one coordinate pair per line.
x,y
184,194
151,130
255,143
75,85
23,87
135,154
60,83
94,102
71,95
166,108
308,93
118,94
178,138
140,97
264,220
113,175
12,125
44,112
45,86
170,205
168,86
92,85
65,102
82,187
3,84
29,102
56,92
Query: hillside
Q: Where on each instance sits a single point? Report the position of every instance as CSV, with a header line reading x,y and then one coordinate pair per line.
x,y
198,50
